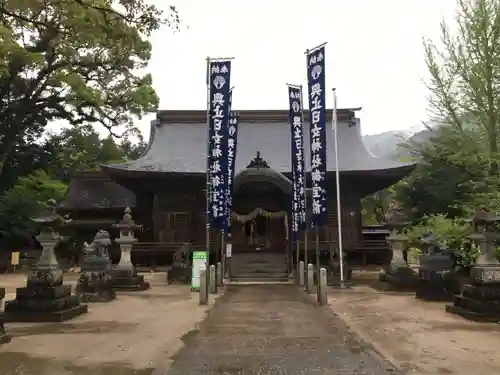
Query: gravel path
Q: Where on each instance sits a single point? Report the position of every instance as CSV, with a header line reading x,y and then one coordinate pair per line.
x,y
273,329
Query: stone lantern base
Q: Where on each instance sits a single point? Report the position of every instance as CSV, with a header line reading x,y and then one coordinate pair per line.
x,y
43,302
95,287
333,275
4,338
129,280
479,300
399,277
437,279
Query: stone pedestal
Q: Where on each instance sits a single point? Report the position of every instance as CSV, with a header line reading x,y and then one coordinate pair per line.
x,y
333,275
398,275
180,273
45,298
438,280
95,283
4,338
480,300
124,274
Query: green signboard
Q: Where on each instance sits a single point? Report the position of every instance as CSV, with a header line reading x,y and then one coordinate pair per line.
x,y
200,259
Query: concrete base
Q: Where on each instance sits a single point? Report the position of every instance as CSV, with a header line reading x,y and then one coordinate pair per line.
x,y
43,303
46,316
132,287
4,338
472,315
129,280
478,303
108,296
437,285
399,278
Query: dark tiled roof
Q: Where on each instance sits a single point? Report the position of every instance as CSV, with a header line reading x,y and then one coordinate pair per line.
x,y
91,190
181,146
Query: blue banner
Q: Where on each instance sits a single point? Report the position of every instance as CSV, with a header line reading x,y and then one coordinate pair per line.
x,y
232,142
317,129
219,80
297,152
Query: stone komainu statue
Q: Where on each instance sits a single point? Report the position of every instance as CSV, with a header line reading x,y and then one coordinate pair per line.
x,y
180,273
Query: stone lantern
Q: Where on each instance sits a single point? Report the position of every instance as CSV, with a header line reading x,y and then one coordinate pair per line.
x,y
45,298
480,300
125,274
95,283
437,279
398,273
4,337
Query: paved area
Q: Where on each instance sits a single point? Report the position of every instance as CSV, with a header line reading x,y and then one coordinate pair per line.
x,y
272,329
132,335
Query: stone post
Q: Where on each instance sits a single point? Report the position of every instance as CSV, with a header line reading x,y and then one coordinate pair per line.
x,y
4,338
310,278
220,276
480,299
96,283
398,273
301,273
124,273
213,279
323,297
437,279
203,297
45,298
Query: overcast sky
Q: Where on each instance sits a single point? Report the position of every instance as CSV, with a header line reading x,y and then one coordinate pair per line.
x,y
374,54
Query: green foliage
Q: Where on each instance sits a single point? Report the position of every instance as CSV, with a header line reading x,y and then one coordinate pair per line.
x,y
450,233
80,148
24,200
450,168
375,206
80,61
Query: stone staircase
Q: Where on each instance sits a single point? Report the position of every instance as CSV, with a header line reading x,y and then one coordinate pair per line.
x,y
259,266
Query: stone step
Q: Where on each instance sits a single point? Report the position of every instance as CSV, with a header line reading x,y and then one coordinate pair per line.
x,y
258,265
251,278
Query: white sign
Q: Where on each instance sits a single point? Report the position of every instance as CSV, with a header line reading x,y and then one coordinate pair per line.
x,y
229,250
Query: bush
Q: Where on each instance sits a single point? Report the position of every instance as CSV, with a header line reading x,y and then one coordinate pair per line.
x,y
450,233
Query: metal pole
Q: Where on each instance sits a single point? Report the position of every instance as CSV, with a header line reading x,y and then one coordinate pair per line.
x,y
315,48
222,250
306,230
316,230
208,174
337,182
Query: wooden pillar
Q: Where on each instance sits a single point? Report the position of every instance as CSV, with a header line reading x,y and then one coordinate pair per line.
x,y
144,207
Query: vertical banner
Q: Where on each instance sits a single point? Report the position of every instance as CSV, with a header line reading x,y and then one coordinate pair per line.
x,y
232,142
297,152
219,81
232,134
317,129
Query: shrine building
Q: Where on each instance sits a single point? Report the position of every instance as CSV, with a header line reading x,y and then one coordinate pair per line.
x,y
165,187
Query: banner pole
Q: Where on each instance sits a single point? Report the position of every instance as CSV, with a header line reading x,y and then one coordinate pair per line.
x,y
306,225
337,182
207,234
318,291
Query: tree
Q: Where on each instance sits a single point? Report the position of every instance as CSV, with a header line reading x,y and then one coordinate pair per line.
x,y
464,74
80,148
453,166
77,61
26,199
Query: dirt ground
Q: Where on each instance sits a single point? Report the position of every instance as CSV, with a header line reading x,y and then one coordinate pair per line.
x,y
135,334
419,337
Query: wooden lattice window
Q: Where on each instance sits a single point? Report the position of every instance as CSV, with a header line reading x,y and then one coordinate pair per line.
x,y
175,226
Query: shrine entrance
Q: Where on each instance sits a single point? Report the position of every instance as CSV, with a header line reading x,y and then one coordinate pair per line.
x,y
261,201
260,230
